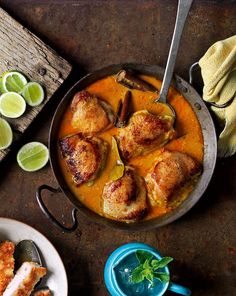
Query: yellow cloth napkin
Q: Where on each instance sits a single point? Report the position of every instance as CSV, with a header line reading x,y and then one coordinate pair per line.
x,y
218,68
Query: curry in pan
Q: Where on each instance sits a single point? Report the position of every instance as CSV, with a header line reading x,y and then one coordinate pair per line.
x,y
127,159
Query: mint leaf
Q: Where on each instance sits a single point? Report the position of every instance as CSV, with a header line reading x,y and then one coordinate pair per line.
x,y
142,256
161,263
154,264
146,264
150,277
146,272
137,276
162,276
147,268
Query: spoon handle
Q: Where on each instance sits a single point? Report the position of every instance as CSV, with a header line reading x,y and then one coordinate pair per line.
x,y
183,9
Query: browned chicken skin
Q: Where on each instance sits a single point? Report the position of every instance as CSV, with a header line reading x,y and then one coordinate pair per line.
x,y
42,292
90,115
172,170
144,132
125,198
6,264
84,156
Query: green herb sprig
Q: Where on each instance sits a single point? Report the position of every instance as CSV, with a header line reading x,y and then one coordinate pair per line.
x,y
148,268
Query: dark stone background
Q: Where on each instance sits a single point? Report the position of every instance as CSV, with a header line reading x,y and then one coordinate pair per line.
x,y
92,34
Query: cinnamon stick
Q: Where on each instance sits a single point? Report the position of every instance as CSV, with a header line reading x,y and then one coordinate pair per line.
x,y
125,78
118,111
124,111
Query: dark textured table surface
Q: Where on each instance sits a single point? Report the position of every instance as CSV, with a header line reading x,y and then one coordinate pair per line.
x,y
92,34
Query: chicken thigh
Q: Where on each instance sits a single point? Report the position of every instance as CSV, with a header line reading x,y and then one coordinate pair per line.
x,y
85,157
125,198
172,170
144,132
90,115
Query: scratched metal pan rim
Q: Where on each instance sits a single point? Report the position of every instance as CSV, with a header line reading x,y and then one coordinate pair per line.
x,y
210,150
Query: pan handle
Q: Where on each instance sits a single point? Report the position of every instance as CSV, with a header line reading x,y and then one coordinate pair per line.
x,y
49,215
190,72
191,69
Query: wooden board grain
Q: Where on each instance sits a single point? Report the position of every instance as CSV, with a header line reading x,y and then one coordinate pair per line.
x,y
23,51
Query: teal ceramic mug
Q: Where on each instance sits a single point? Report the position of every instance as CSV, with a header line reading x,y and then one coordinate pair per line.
x,y
118,270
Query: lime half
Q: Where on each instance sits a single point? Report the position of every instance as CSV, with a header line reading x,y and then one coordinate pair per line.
x,y
6,135
33,93
1,87
32,156
12,105
12,81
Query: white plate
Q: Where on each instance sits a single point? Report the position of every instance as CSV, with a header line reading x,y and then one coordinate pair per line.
x,y
56,278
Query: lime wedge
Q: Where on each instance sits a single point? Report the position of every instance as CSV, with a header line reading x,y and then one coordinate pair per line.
x,y
12,81
32,156
33,93
12,105
6,135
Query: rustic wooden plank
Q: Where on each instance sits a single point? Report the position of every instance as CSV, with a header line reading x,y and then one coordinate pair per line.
x,y
23,51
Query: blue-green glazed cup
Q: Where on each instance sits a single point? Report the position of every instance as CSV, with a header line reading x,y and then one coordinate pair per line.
x,y
119,255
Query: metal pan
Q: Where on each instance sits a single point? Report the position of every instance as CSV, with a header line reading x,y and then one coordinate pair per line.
x,y
210,151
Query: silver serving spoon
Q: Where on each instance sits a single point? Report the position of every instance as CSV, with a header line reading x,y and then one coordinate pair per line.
x,y
182,13
26,251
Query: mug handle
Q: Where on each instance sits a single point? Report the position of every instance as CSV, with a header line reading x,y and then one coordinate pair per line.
x,y
176,288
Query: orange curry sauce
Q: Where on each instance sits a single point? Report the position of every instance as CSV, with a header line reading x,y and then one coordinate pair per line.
x,y
188,139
